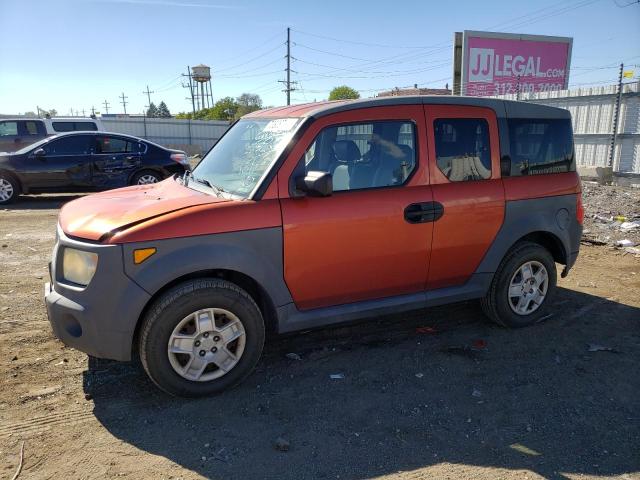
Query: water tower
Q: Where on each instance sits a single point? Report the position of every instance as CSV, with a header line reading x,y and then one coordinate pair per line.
x,y
201,74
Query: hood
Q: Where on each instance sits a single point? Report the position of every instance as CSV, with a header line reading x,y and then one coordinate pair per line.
x,y
94,216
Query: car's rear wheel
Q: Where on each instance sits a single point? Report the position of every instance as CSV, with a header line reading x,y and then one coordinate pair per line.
x,y
9,189
146,177
201,337
522,286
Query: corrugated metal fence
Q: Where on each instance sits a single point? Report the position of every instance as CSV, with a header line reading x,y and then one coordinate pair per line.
x,y
194,136
592,112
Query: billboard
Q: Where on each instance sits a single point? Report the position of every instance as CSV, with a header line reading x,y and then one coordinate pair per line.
x,y
492,63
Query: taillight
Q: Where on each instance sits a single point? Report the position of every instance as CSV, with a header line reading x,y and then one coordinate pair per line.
x,y
579,209
180,158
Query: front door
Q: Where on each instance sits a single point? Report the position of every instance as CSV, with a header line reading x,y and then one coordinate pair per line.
x,y
464,163
371,238
65,164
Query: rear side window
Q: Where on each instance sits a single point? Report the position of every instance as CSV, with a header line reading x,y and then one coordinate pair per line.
x,y
8,129
74,126
34,128
462,147
541,146
115,145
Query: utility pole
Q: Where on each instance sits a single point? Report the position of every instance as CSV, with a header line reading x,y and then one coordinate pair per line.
x,y
193,103
124,102
83,113
106,106
288,82
93,111
616,117
148,93
288,66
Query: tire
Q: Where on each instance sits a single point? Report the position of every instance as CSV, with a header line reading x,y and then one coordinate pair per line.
x,y
146,177
181,303
9,189
500,306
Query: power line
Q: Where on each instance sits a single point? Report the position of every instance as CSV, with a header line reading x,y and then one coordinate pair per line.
x,y
325,37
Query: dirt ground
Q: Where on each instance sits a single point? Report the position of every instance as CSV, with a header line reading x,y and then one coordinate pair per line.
x,y
460,399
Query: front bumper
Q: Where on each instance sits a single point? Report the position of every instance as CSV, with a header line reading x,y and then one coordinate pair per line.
x,y
99,319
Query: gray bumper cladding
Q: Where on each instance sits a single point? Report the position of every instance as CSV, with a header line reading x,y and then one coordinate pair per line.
x,y
99,319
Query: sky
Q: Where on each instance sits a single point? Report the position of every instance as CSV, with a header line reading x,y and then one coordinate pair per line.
x,y
73,55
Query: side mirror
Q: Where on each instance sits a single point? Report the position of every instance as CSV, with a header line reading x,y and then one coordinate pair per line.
x,y
315,184
39,152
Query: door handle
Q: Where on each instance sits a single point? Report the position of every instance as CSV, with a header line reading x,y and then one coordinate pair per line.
x,y
423,212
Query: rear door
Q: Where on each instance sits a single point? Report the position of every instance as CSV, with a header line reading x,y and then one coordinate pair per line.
x,y
368,240
115,159
464,165
64,164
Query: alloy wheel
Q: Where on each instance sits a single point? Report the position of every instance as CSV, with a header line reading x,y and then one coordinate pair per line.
x,y
528,288
206,344
6,190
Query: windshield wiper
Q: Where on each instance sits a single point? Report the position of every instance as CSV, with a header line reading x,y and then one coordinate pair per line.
x,y
217,190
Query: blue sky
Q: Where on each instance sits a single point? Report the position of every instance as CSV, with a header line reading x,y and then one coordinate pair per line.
x,y
74,54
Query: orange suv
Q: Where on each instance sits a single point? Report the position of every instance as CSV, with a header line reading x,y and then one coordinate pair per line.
x,y
316,214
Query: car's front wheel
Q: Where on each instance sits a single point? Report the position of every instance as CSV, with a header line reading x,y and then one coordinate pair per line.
x,y
9,189
146,177
522,286
201,337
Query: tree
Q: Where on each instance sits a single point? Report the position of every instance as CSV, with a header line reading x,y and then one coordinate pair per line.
x,y
343,92
163,111
247,103
152,111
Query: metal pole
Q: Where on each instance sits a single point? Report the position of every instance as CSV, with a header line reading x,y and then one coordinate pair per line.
x,y
193,103
144,122
616,118
288,66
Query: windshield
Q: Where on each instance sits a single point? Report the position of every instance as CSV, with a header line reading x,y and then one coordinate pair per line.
x,y
245,153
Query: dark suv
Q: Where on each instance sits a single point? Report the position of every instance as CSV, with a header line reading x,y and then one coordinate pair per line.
x,y
83,161
316,214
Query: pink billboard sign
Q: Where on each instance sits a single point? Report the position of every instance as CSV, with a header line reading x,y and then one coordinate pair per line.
x,y
501,63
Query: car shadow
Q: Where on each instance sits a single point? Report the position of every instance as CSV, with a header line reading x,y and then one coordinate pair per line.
x,y
41,202
411,391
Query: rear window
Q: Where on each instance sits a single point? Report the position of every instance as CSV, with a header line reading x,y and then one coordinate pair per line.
x,y
541,146
74,126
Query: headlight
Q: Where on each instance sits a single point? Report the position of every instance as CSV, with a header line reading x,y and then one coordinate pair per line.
x,y
78,266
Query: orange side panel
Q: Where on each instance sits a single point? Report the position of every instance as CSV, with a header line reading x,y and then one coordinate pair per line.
x,y
354,246
473,214
538,186
205,220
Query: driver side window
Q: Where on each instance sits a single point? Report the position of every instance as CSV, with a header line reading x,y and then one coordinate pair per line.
x,y
364,155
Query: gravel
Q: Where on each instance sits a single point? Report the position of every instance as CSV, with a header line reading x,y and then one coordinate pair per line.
x,y
607,209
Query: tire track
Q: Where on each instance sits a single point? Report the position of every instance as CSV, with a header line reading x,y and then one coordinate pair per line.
x,y
44,423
